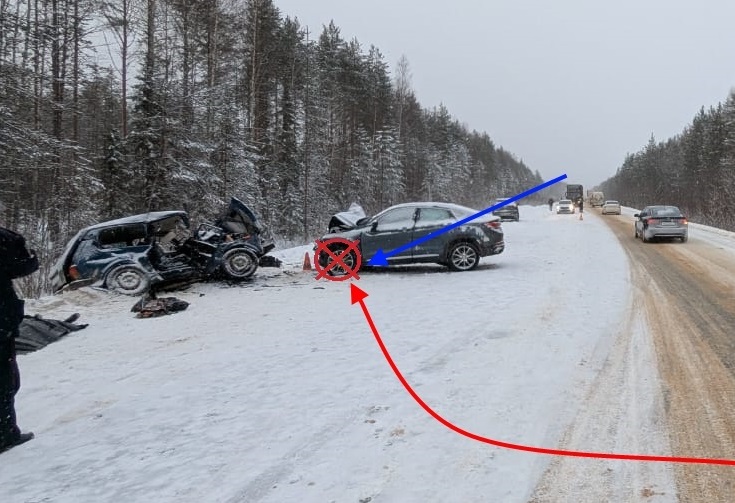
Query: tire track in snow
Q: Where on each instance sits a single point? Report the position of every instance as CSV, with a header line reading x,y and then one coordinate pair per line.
x,y
621,413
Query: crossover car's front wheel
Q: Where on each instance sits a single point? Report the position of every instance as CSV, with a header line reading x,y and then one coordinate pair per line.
x,y
345,265
463,257
239,264
128,280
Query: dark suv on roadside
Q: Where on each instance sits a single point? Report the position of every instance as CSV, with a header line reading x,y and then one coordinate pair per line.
x,y
460,248
507,212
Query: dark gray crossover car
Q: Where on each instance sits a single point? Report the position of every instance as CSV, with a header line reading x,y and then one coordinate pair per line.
x,y
131,254
507,212
655,222
460,248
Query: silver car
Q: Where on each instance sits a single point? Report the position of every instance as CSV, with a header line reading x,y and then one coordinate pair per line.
x,y
611,208
655,222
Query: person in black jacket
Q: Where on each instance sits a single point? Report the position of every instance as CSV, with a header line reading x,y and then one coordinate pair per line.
x,y
15,261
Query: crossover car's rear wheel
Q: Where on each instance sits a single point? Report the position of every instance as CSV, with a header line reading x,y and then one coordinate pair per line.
x,y
128,279
345,260
685,238
239,264
463,257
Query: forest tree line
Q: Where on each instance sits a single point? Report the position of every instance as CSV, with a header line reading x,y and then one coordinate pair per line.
x,y
695,170
116,107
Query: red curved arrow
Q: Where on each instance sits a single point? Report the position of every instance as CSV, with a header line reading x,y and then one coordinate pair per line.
x,y
358,295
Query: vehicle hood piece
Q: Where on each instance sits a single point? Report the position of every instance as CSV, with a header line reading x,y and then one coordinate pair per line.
x,y
239,219
345,220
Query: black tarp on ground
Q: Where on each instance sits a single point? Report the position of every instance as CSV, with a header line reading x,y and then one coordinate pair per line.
x,y
37,332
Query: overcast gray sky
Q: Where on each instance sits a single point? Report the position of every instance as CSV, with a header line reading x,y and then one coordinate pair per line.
x,y
568,86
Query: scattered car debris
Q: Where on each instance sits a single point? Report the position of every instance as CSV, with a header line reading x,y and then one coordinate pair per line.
x,y
36,332
148,307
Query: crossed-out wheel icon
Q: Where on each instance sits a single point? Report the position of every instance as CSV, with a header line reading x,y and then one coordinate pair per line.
x,y
337,259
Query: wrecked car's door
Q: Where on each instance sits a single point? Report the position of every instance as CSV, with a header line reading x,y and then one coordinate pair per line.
x,y
101,249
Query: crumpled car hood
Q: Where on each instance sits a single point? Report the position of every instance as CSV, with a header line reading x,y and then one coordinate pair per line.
x,y
347,219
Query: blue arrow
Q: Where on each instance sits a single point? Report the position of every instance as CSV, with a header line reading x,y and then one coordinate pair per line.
x,y
381,258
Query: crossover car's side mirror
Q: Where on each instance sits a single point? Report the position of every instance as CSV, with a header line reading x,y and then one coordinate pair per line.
x,y
636,215
374,227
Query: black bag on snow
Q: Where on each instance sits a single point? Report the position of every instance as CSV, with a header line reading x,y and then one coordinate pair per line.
x,y
15,259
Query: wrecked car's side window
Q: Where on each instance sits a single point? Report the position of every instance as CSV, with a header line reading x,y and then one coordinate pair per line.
x,y
122,236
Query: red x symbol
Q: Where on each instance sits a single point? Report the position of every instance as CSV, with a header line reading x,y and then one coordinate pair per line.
x,y
344,247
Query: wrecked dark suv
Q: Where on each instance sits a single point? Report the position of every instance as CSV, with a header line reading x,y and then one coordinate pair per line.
x,y
130,255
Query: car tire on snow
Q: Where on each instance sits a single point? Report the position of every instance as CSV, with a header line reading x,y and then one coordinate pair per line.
x,y
128,280
349,260
239,264
463,256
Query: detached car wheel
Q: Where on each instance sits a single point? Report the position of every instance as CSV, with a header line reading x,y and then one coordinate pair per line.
x,y
463,257
128,280
239,264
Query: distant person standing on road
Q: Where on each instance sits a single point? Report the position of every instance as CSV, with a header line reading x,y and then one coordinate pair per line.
x,y
551,204
15,261
581,208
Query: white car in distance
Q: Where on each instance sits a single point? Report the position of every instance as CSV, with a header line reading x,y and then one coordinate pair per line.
x,y
565,206
611,208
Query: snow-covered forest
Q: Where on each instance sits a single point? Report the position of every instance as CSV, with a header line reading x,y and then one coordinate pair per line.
x,y
116,107
694,170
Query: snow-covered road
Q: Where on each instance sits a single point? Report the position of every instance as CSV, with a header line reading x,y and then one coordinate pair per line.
x,y
276,391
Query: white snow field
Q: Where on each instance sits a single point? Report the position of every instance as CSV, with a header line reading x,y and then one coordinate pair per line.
x,y
276,391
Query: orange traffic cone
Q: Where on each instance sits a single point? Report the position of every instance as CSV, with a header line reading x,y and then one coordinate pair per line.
x,y
307,262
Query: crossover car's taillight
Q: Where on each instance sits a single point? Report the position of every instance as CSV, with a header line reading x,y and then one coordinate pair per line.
x,y
653,221
74,273
684,221
493,225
